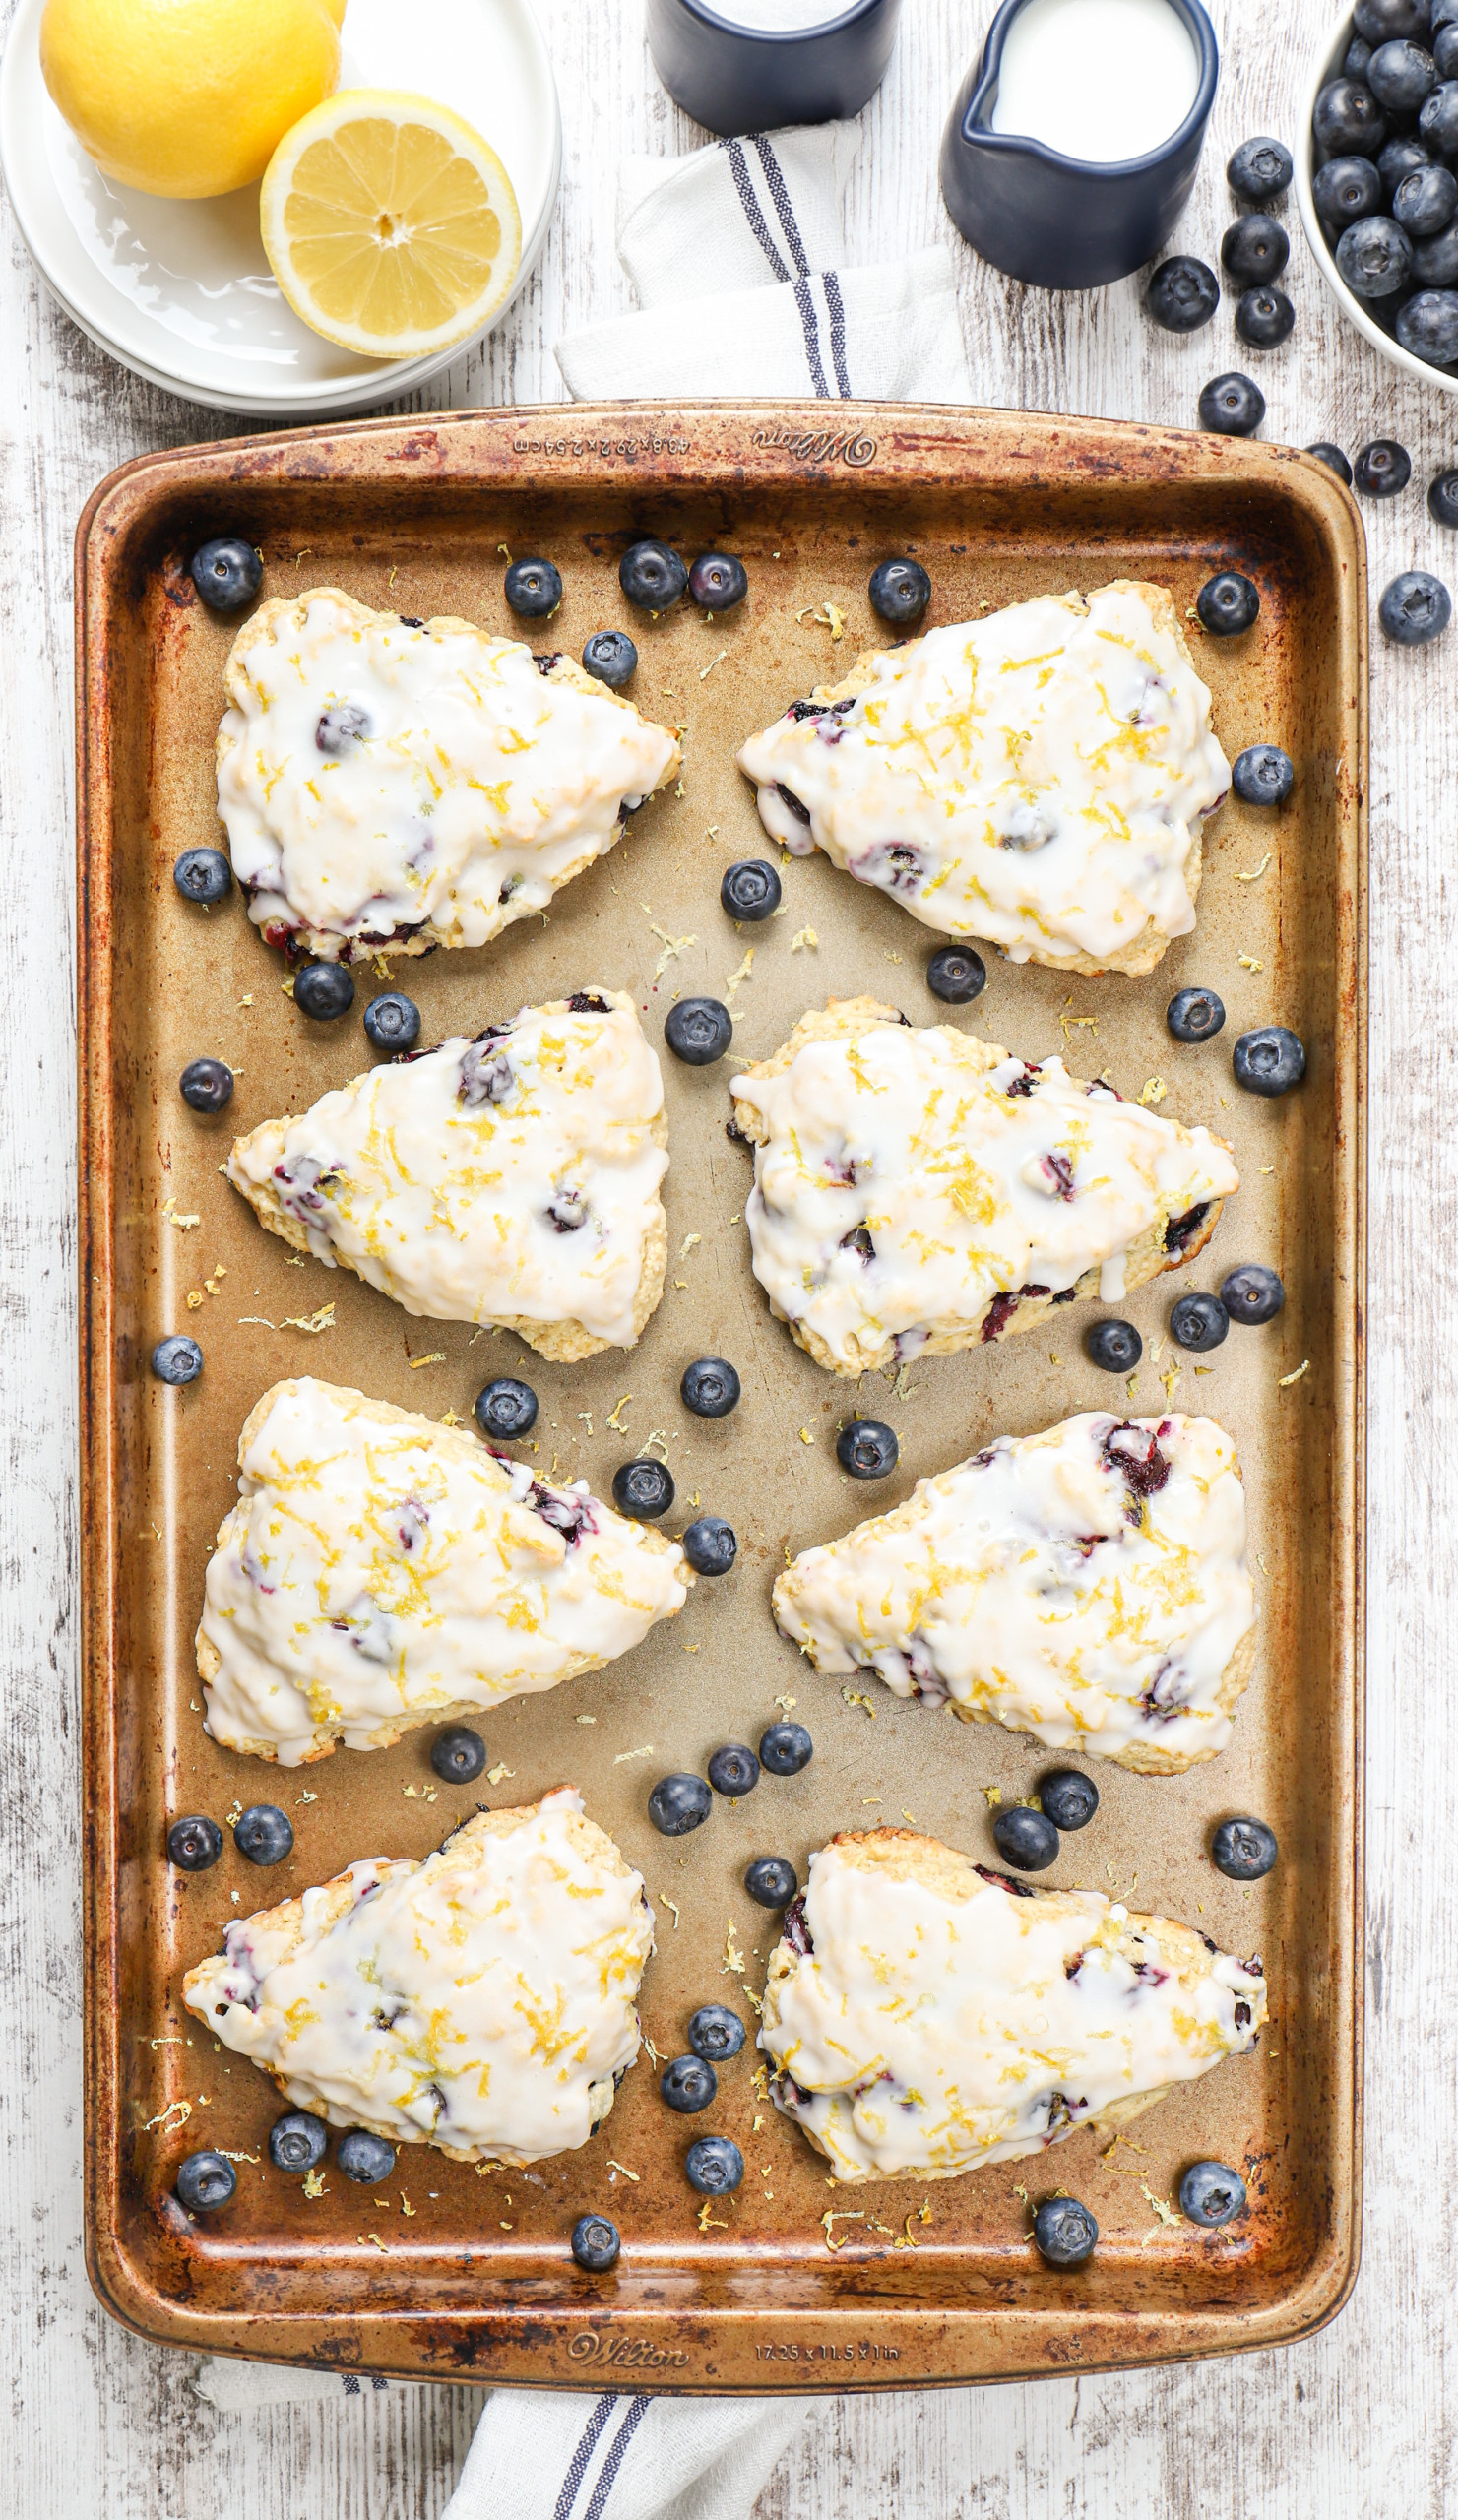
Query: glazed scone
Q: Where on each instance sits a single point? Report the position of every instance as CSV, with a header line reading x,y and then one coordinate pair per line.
x,y
380,1571
513,1179
1088,1586
482,2001
924,2016
923,1190
1039,778
414,784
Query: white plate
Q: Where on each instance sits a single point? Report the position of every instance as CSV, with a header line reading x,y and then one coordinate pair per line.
x,y
180,290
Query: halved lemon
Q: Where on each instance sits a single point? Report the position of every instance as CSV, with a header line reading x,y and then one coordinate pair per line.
x,y
392,228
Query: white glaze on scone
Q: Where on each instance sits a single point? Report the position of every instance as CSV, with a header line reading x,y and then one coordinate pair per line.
x,y
1038,778
941,2018
457,786
380,1571
513,1179
1088,1586
481,2001
985,1187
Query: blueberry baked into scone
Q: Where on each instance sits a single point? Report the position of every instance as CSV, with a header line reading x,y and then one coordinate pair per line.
x,y
925,1190
380,1572
924,2016
414,784
513,1179
482,2001
1039,778
1087,1585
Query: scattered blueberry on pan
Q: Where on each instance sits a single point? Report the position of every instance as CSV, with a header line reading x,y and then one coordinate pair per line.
x,y
1025,1839
505,1410
1348,117
458,1754
1243,1850
1227,604
596,2243
710,1545
227,572
717,581
392,1022
1194,1014
324,990
1382,469
1443,500
1264,775
297,2142
1211,2194
1424,201
206,1085
868,1449
1253,1293
177,1359
652,576
1264,317
710,1387
1347,189
204,2181
688,2084
1199,1322
1270,1060
1254,248
1401,76
366,2157
1065,2232
643,1490
750,888
1260,170
203,875
772,1882
1415,608
1428,326
1115,1346
714,2166
716,2034
1182,295
733,1770
610,657
679,1803
1233,405
785,1748
900,591
1332,457
534,588
1069,1799
193,1843
956,975
1375,257
263,1833
698,1031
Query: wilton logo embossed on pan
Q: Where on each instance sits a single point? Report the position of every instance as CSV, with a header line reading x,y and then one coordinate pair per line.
x,y
625,2353
820,446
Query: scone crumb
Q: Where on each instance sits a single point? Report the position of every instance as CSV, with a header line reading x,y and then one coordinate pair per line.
x,y
1153,1090
804,940
734,1957
646,1752
497,1773
314,2183
787,1702
858,1697
312,1322
1250,963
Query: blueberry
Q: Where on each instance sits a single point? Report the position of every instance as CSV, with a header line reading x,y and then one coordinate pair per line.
x,y
715,2033
698,1031
956,975
1115,1346
1211,2194
1253,1293
1227,604
534,588
1428,328
1199,1322
710,1387
1182,295
1375,257
1025,1839
868,1449
1194,1014
324,990
1436,258
610,657
1254,247
785,1748
643,1490
1382,469
1355,58
1424,201
717,581
392,1022
263,1833
1347,119
1069,1799
1347,189
193,1843
1387,21
458,1754
177,1359
505,1410
1443,500
1270,1060
679,1803
652,576
1231,404
900,591
733,1770
1264,317
1259,171
206,1085
366,2157
1332,457
1400,75
204,2181
750,888
596,2243
1445,51
688,2084
1401,157
1064,2231
772,1882
297,2142
1243,1850
203,875
342,728
1437,123
710,1545
1264,775
714,2166
227,573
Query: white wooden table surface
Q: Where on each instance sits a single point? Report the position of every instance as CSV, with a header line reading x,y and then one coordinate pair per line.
x,y
1359,2420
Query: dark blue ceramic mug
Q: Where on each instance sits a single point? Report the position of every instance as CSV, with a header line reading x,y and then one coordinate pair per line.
x,y
1064,223
735,79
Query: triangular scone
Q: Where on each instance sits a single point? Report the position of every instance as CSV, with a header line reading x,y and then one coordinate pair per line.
x,y
924,1191
513,1179
1088,1586
1038,778
413,784
482,2001
380,1571
924,2016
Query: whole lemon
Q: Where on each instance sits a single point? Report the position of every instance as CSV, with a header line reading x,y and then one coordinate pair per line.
x,y
188,97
